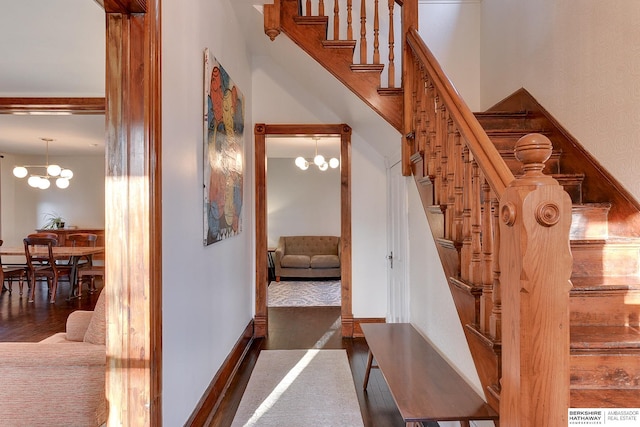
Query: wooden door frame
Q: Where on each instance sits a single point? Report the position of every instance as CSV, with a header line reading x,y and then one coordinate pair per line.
x,y
261,131
133,220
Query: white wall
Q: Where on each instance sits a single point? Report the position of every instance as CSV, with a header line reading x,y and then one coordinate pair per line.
x,y
433,311
207,290
368,194
301,202
451,30
23,207
580,61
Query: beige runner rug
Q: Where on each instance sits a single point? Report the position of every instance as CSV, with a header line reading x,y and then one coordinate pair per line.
x,y
300,388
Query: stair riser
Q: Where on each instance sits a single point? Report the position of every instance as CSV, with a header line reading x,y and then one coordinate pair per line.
x,y
601,259
606,371
606,308
589,222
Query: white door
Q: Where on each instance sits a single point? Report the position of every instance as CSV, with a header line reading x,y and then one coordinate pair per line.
x,y
397,256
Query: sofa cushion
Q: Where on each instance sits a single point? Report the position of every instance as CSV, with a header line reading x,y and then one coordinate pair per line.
x,y
325,261
295,261
97,329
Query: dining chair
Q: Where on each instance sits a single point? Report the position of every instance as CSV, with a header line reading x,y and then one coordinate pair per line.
x,y
85,266
9,272
42,263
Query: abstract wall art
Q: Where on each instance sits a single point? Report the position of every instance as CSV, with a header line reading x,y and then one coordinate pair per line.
x,y
223,153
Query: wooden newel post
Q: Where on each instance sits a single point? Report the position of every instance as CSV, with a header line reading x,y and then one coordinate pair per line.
x,y
536,263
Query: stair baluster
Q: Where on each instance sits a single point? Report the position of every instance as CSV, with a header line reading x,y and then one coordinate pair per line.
x,y
336,20
495,321
363,32
349,20
458,164
376,31
391,80
475,274
486,300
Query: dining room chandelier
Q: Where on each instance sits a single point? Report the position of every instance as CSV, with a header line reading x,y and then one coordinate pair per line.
x,y
318,160
41,179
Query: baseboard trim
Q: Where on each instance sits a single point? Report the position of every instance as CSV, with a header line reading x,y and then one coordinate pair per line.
x,y
213,395
357,330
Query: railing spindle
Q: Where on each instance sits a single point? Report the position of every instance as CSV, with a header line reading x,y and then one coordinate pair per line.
x,y
392,67
349,20
465,255
308,8
376,32
450,171
458,164
336,20
363,32
476,227
495,321
321,8
486,303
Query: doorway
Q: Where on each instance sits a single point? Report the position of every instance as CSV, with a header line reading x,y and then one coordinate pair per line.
x,y
261,132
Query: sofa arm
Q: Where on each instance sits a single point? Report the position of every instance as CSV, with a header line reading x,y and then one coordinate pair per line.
x,y
52,384
77,324
280,252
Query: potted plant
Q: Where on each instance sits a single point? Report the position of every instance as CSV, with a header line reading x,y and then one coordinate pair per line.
x,y
53,221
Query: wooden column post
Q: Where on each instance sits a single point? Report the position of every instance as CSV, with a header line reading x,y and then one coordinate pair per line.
x,y
536,263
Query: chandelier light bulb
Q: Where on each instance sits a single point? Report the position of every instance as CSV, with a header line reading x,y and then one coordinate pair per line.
x,y
54,170
300,161
62,182
318,159
41,180
20,172
34,181
305,166
334,163
44,183
323,167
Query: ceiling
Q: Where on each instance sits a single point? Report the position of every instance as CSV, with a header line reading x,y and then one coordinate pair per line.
x,y
61,57
65,57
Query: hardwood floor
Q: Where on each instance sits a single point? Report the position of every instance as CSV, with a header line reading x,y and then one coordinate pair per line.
x,y
314,327
34,321
289,328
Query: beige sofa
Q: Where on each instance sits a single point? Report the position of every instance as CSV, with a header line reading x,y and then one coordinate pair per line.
x,y
308,257
59,381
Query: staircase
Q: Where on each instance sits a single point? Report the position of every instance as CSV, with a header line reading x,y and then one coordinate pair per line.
x,y
462,163
605,298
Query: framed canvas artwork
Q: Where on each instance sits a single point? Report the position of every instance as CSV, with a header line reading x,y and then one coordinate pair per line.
x,y
223,153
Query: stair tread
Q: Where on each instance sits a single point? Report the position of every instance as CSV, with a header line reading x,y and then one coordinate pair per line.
x,y
510,132
611,240
605,338
609,283
523,113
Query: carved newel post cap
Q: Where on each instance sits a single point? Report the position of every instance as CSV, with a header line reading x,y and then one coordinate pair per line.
x,y
533,150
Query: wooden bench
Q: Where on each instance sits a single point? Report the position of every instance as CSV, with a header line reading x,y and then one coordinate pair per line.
x,y
423,385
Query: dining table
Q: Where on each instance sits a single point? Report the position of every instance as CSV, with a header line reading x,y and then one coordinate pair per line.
x,y
73,253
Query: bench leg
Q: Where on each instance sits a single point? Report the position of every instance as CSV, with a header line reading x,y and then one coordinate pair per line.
x,y
368,371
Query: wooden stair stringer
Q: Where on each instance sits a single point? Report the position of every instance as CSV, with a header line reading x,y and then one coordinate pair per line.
x,y
601,186
311,37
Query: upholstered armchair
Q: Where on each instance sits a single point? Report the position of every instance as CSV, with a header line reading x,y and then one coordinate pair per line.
x,y
59,381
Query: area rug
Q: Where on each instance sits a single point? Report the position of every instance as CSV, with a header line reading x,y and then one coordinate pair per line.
x,y
304,293
300,388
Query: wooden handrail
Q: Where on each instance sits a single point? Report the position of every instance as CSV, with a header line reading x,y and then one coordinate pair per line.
x,y
495,170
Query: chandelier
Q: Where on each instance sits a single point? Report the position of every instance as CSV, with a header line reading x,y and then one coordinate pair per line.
x,y
317,160
41,180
